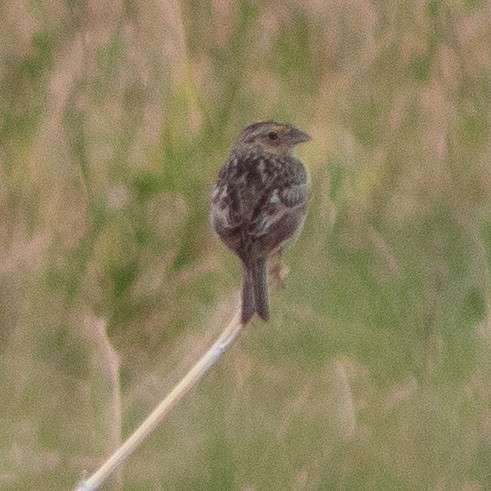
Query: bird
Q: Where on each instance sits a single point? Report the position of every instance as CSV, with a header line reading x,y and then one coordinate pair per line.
x,y
259,202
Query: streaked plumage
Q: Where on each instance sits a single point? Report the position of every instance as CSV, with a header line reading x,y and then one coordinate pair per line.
x,y
258,202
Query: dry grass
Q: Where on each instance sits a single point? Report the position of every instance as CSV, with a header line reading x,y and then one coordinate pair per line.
x,y
374,371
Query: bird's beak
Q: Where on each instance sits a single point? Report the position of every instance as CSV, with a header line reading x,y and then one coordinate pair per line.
x,y
297,136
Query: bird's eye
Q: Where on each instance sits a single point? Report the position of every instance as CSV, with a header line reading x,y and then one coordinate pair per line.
x,y
272,135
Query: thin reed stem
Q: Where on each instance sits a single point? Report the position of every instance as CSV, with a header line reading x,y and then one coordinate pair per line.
x,y
171,400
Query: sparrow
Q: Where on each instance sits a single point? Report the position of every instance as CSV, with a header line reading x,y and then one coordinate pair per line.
x,y
259,202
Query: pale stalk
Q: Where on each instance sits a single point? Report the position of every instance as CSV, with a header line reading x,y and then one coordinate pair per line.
x,y
156,417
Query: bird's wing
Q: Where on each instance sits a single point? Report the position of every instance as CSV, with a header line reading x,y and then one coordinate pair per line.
x,y
221,212
280,202
294,195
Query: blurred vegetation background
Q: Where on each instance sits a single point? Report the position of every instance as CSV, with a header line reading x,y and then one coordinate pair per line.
x,y
374,371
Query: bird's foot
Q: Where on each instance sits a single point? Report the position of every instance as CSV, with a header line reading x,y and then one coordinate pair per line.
x,y
278,271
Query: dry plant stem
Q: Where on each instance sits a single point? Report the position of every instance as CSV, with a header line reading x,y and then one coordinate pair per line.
x,y
139,436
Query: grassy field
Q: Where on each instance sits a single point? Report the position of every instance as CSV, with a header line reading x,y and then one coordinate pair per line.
x,y
374,372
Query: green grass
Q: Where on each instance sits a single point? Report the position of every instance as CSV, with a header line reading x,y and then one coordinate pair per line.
x,y
374,371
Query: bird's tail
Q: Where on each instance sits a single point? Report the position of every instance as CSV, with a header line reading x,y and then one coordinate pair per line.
x,y
255,291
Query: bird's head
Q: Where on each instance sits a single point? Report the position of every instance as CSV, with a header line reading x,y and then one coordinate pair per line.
x,y
271,137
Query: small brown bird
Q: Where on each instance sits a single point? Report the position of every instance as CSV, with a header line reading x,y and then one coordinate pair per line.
x,y
258,202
